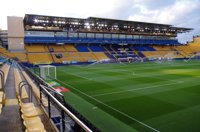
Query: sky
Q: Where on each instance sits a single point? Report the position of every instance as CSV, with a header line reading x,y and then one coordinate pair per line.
x,y
181,13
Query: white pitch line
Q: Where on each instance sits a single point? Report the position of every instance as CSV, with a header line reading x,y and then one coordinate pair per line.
x,y
124,114
150,75
151,66
80,76
136,89
77,75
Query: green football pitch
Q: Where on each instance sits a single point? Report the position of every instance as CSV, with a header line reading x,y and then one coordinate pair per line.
x,y
136,97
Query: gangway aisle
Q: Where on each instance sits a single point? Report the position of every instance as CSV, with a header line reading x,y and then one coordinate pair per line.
x,y
10,119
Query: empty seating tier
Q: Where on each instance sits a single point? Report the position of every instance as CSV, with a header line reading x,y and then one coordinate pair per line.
x,y
35,89
20,56
87,56
30,114
82,48
53,53
163,48
56,48
96,48
36,48
5,68
39,58
100,56
18,79
70,48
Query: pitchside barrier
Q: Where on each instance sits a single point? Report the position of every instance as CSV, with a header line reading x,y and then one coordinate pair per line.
x,y
69,117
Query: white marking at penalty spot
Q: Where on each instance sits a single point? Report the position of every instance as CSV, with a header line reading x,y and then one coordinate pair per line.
x,y
94,108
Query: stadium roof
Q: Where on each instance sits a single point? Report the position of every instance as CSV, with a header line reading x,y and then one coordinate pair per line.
x,y
127,22
104,24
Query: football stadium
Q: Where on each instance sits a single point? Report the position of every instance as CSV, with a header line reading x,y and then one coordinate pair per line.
x,y
97,74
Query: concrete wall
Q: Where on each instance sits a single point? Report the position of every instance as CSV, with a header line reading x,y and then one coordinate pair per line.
x,y
15,33
16,44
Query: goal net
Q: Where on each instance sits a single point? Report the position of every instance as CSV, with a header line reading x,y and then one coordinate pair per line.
x,y
48,72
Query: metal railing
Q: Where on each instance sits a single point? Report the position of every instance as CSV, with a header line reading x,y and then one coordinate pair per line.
x,y
56,99
23,84
64,110
2,75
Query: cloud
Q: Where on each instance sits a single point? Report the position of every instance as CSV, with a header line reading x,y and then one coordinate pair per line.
x,y
168,14
184,13
66,8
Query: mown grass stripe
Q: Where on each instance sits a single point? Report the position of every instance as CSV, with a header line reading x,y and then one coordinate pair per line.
x,y
142,88
124,114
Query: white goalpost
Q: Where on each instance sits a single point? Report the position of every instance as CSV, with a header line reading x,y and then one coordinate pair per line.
x,y
48,72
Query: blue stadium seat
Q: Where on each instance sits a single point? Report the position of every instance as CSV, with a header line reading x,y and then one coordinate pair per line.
x,y
96,48
149,48
82,48
139,48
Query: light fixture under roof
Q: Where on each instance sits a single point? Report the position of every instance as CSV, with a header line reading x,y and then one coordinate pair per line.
x,y
36,20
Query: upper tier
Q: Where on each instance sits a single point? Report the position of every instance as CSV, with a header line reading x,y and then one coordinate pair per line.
x,y
95,38
99,25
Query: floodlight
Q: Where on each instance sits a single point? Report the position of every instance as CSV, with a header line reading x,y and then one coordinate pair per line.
x,y
36,20
87,24
88,27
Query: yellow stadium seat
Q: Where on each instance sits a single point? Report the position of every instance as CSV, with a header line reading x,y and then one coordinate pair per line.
x,y
87,56
2,97
24,93
1,108
70,48
57,48
36,48
32,127
35,89
31,120
38,58
25,105
100,55
30,112
35,130
20,55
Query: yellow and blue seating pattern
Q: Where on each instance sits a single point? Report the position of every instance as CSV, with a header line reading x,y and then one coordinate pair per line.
x,y
47,54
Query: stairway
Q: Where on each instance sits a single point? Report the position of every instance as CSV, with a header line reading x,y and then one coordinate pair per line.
x,y
109,54
140,54
10,119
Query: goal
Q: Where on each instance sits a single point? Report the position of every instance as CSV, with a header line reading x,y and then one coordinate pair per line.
x,y
48,72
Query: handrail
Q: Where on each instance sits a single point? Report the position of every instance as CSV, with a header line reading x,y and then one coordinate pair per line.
x,y
39,81
2,74
70,114
22,84
50,87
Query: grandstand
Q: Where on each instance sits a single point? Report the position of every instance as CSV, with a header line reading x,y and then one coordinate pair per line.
x,y
95,39
96,97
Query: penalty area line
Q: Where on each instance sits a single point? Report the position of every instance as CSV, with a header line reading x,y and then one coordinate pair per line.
x,y
124,114
136,89
77,75
80,76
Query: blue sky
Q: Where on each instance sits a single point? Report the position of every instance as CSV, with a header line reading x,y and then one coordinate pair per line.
x,y
182,13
